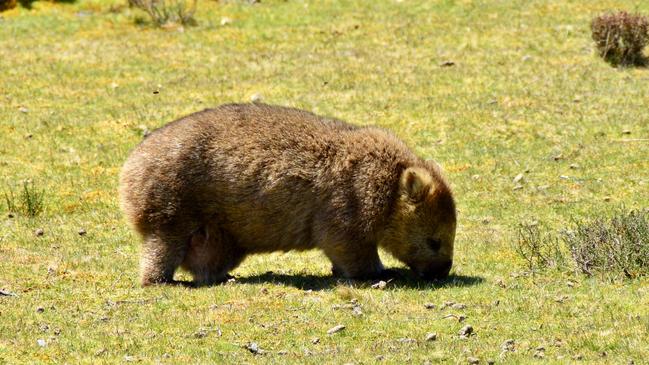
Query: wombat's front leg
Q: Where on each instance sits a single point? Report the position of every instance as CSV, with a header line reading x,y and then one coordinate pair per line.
x,y
354,262
161,256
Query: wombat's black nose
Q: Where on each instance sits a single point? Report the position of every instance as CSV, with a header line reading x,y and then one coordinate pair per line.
x,y
439,271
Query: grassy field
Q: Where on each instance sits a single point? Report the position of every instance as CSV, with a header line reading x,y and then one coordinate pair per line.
x,y
81,82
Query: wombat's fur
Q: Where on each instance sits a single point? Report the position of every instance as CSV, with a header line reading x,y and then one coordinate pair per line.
x,y
217,185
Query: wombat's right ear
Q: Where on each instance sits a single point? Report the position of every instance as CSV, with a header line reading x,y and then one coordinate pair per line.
x,y
415,183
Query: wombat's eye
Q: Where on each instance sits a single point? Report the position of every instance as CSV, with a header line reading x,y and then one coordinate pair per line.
x,y
434,244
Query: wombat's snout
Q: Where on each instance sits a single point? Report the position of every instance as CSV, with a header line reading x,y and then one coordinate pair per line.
x,y
439,270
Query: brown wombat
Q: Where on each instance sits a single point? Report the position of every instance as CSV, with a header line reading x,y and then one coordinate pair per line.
x,y
217,185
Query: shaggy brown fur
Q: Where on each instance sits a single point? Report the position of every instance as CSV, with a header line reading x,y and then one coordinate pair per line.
x,y
217,185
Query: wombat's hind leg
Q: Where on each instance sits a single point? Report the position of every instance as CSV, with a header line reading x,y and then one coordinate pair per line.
x,y
211,256
161,256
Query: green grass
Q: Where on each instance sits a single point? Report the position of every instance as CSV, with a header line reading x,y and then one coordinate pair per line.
x,y
526,87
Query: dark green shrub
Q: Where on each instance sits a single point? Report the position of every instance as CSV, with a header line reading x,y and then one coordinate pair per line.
x,y
621,37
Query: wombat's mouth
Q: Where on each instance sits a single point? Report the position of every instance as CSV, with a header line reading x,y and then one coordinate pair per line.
x,y
437,271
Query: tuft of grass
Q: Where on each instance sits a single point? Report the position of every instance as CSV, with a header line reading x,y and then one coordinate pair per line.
x,y
620,38
616,245
609,246
29,201
168,12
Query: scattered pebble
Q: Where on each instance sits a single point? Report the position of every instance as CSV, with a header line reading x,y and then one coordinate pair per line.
x,y
508,345
446,304
315,340
39,232
6,293
41,342
225,21
264,290
578,357
380,285
82,232
379,358
473,360
430,306
40,310
356,311
574,166
518,178
256,98
626,131
23,109
335,329
491,362
458,306
447,64
253,347
282,352
526,58
431,337
466,331
129,358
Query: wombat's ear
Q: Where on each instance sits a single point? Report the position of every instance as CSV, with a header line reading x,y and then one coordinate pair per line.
x,y
415,183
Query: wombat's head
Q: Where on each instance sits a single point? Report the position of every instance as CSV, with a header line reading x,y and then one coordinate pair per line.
x,y
421,229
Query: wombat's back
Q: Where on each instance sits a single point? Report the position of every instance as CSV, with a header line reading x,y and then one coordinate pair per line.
x,y
268,175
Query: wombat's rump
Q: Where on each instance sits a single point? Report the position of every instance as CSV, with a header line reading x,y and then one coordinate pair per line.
x,y
217,185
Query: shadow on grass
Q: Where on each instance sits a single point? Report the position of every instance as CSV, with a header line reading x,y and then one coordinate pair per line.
x,y
396,278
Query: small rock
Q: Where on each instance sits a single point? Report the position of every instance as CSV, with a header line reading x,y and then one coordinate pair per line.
x,y
379,358
508,345
40,310
539,354
446,304
458,306
129,358
335,329
466,331
380,285
6,293
253,348
558,157
473,360
430,306
41,342
315,340
518,187
356,311
282,352
578,357
23,109
626,131
574,166
607,199
431,337
491,361
447,64
39,232
256,98
225,21
264,290
526,58
518,178
82,232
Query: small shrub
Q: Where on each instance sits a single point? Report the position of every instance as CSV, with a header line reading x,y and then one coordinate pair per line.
x,y
28,202
539,248
617,245
621,37
614,246
168,12
7,4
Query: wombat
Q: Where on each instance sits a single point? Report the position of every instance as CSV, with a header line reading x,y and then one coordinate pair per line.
x,y
211,188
